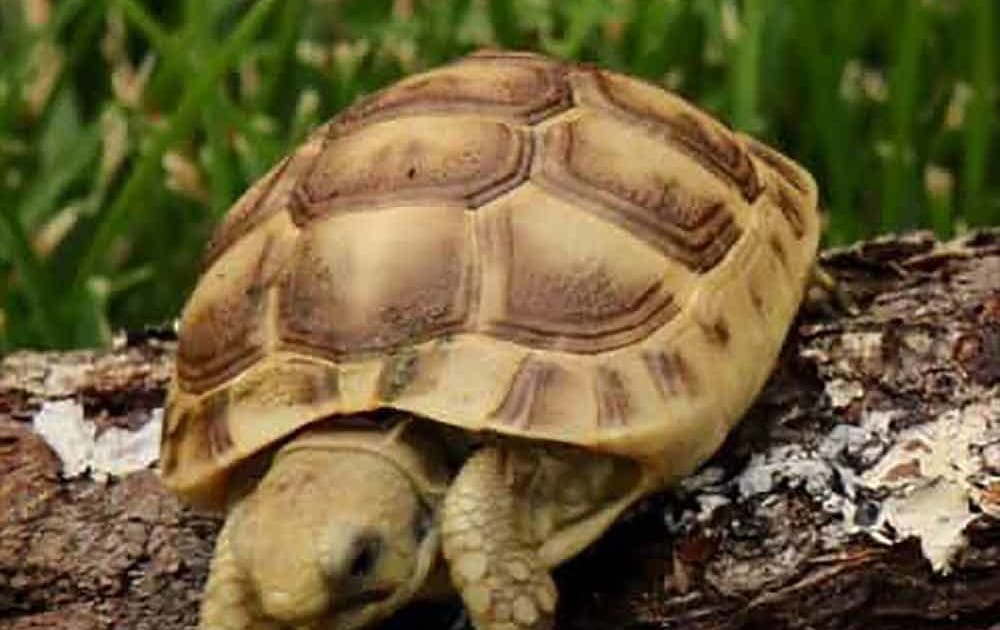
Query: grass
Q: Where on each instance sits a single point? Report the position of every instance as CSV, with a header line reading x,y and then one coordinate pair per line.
x,y
128,127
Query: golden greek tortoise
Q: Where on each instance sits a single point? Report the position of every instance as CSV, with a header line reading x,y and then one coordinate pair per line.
x,y
456,333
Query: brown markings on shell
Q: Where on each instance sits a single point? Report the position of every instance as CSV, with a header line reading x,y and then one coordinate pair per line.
x,y
291,382
788,189
575,295
214,415
607,339
463,161
704,139
717,332
756,299
520,88
422,292
570,305
398,371
671,373
781,165
778,247
788,204
694,230
225,334
525,392
613,407
299,205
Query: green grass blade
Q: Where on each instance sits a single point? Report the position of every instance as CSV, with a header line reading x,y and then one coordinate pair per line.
x,y
221,176
137,15
904,78
45,192
141,179
829,132
278,72
33,277
980,115
745,71
582,19
504,20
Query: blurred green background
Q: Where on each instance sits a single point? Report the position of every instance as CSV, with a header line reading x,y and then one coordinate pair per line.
x,y
128,127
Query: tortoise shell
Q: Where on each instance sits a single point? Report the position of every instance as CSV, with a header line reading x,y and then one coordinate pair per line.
x,y
508,244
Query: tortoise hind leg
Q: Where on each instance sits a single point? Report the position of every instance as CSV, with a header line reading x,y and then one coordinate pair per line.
x,y
829,290
228,602
502,580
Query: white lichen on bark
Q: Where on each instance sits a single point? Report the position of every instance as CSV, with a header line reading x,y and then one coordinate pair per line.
x,y
81,447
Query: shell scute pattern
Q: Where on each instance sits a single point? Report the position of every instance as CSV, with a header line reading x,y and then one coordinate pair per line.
x,y
215,407
671,373
613,406
414,287
593,160
704,139
270,195
458,161
224,325
542,289
528,91
507,243
525,393
540,399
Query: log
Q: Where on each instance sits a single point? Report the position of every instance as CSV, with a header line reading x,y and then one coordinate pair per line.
x,y
861,491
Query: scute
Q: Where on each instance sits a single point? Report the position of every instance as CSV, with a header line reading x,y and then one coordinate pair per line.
x,y
457,160
481,84
507,244
362,282
552,280
705,139
664,199
225,323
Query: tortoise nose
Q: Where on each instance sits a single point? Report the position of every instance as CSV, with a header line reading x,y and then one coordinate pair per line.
x,y
350,553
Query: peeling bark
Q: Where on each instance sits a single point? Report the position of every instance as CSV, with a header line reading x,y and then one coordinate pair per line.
x,y
873,454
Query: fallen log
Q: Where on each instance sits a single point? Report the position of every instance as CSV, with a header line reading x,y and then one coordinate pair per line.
x,y
861,491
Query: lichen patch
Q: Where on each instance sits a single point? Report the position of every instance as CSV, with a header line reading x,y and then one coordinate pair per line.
x,y
113,452
937,478
842,392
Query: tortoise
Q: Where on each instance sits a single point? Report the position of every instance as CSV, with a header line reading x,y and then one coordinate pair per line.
x,y
444,344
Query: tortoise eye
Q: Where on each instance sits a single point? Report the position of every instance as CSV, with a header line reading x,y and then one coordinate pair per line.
x,y
423,521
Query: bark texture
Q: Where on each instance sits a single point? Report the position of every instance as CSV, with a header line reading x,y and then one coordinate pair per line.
x,y
861,491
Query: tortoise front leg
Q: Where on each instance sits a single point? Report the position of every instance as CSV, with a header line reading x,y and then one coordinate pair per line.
x,y
502,580
228,602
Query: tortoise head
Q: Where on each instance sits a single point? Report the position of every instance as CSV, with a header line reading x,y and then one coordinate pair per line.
x,y
335,536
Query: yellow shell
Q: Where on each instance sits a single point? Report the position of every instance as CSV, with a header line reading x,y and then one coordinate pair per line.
x,y
509,244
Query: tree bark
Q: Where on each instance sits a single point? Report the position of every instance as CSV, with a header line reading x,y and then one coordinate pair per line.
x,y
862,489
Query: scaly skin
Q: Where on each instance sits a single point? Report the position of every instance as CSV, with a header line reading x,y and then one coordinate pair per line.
x,y
228,603
494,566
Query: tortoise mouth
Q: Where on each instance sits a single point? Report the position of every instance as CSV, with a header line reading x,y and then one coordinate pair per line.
x,y
360,609
360,600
